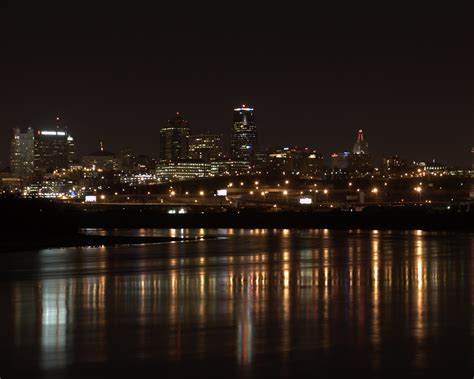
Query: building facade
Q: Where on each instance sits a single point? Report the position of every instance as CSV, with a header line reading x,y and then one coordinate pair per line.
x,y
52,150
22,154
360,158
206,147
244,138
174,139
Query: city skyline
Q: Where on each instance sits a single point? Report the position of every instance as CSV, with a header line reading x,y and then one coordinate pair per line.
x,y
376,159
321,77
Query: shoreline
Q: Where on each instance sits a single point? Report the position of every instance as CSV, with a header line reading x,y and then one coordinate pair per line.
x,y
85,240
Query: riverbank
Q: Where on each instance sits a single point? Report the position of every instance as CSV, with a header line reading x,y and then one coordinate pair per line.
x,y
376,218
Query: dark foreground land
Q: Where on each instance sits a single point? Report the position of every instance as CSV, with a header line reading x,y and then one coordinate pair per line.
x,y
403,218
39,223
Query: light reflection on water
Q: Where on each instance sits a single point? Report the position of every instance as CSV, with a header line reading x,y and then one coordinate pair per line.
x,y
267,300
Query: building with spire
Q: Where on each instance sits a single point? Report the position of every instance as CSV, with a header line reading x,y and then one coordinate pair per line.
x,y
360,158
100,160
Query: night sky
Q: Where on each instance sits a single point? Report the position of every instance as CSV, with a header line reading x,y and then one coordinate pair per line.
x,y
313,81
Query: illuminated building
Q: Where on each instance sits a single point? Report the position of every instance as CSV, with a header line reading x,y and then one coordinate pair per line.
x,y
244,141
22,154
100,160
230,167
303,162
360,158
182,170
206,147
52,150
394,165
360,146
174,139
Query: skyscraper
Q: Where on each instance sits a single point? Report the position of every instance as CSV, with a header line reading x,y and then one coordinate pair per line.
x,y
206,147
360,146
174,139
22,153
52,150
244,141
360,158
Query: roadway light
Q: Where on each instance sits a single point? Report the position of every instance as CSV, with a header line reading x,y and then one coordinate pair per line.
x,y
251,192
256,182
172,193
201,193
285,192
287,181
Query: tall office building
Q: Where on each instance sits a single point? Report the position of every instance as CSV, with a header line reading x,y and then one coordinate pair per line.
x,y
360,158
174,139
244,141
22,153
206,147
71,150
52,150
361,146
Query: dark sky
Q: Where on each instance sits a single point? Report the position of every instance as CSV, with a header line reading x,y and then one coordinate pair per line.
x,y
313,81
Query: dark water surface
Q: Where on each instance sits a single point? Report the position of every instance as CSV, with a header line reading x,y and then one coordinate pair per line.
x,y
268,303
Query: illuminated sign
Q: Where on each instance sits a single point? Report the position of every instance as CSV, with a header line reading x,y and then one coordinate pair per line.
x,y
306,200
91,198
50,133
222,192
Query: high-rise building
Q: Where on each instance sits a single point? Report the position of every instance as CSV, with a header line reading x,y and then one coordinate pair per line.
x,y
244,141
360,158
361,146
71,150
206,147
174,139
52,150
22,153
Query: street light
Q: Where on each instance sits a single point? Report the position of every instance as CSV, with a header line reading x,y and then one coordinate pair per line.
x,y
326,192
375,191
418,189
